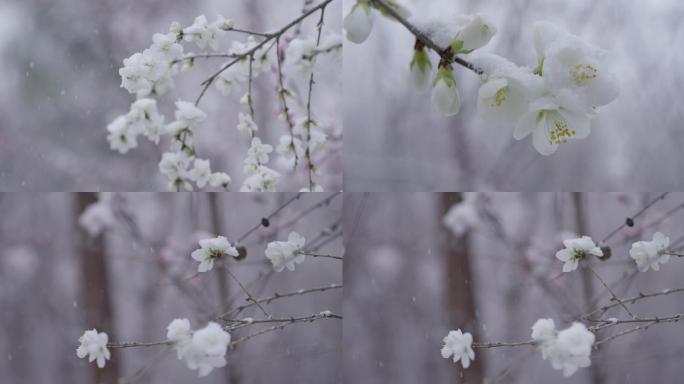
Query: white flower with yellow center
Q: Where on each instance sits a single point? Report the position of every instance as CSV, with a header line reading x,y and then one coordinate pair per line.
x,y
575,250
476,31
551,125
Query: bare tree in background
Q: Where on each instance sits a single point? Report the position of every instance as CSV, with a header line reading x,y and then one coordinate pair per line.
x,y
95,288
459,284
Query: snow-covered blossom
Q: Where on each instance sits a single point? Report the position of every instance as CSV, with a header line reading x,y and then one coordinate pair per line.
x,y
284,254
474,32
167,45
508,91
220,179
461,217
260,179
650,254
445,96
301,53
573,348
459,345
179,330
316,188
246,125
98,216
201,172
175,166
204,34
212,250
94,345
575,70
544,333
575,250
359,22
551,125
568,349
121,136
188,113
144,118
290,146
304,127
258,152
202,350
421,69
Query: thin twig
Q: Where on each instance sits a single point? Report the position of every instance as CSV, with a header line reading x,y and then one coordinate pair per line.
x,y
249,295
321,255
632,218
611,292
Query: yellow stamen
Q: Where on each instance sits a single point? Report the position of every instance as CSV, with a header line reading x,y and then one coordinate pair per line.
x,y
582,73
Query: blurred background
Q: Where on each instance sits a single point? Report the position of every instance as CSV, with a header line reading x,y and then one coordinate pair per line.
x,y
396,141
492,272
61,87
59,278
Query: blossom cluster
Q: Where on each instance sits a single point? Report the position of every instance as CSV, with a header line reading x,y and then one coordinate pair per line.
x,y
149,74
554,102
203,349
284,254
567,350
94,345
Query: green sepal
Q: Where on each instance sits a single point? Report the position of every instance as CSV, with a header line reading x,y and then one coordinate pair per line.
x,y
539,70
446,75
422,60
456,46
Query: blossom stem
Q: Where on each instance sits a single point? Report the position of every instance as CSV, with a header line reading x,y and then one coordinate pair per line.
x,y
278,296
503,344
445,54
267,37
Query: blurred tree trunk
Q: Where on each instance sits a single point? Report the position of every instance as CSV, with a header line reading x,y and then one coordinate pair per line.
x,y
595,370
95,288
460,288
232,375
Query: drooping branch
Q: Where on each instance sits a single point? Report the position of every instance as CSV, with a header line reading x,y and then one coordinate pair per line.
x,y
267,38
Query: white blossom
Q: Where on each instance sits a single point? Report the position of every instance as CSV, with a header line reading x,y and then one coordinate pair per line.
x,y
220,179
544,333
573,349
445,96
202,350
175,166
166,44
359,22
577,73
143,117
188,113
301,54
475,32
568,349
212,250
261,179
459,345
122,137
575,250
94,345
650,254
98,216
461,217
179,330
202,33
201,172
258,152
284,254
246,125
551,125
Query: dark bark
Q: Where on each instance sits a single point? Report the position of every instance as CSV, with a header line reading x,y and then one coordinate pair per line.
x,y
95,289
460,289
